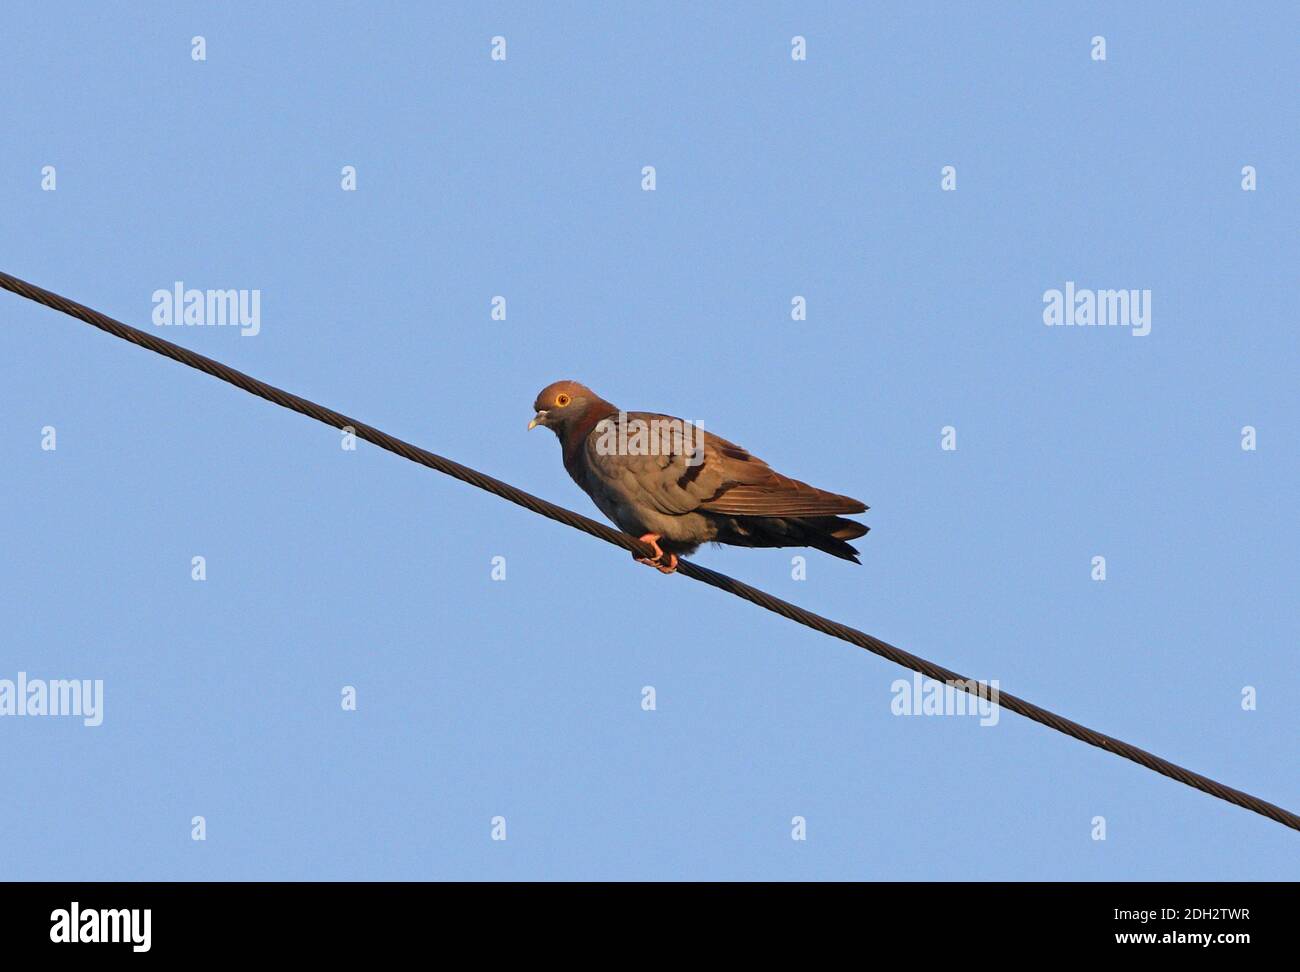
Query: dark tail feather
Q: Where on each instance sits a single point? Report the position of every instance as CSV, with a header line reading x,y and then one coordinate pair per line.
x,y
828,534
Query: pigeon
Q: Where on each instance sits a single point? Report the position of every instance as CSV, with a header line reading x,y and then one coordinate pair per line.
x,y
675,486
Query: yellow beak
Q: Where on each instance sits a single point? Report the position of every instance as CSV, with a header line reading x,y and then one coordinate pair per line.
x,y
538,419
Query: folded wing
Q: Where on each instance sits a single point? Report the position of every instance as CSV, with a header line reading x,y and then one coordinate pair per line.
x,y
717,477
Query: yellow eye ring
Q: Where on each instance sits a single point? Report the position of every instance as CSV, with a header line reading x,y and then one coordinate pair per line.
x,y
561,400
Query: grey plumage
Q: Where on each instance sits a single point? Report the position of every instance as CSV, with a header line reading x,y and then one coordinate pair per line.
x,y
689,488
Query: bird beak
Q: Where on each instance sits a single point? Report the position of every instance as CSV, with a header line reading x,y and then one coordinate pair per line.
x,y
538,419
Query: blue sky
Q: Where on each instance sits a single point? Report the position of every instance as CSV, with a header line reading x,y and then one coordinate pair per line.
x,y
774,179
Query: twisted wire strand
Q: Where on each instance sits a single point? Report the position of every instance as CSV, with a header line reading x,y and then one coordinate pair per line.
x,y
694,571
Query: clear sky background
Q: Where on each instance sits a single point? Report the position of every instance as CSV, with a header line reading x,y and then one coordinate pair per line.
x,y
522,698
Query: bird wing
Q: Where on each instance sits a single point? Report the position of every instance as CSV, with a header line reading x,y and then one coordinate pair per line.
x,y
699,471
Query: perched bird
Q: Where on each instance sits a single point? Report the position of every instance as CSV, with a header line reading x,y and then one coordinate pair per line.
x,y
676,486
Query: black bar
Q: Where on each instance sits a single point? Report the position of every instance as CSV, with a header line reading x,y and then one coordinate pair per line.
x,y
238,920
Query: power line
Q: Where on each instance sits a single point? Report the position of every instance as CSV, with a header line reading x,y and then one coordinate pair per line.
x,y
694,571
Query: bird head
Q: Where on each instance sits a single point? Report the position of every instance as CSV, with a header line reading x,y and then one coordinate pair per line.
x,y
562,404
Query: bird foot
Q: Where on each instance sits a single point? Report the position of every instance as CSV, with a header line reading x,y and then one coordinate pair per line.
x,y
657,561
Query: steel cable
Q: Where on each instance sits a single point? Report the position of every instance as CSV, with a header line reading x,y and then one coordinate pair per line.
x,y
579,522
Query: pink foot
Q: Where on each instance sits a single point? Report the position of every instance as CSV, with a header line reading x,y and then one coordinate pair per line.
x,y
657,560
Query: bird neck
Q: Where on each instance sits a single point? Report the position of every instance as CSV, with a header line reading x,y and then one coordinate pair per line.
x,y
574,434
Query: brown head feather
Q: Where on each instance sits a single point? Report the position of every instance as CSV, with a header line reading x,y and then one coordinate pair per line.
x,y
572,411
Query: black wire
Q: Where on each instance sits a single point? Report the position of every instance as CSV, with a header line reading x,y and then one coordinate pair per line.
x,y
694,571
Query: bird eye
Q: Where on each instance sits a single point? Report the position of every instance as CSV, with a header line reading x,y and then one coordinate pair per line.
x,y
562,400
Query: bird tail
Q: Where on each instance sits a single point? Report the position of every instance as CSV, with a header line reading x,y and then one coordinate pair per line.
x,y
829,534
